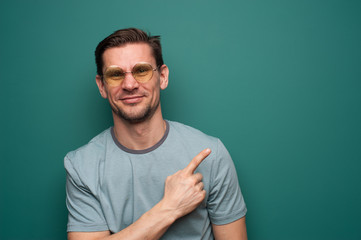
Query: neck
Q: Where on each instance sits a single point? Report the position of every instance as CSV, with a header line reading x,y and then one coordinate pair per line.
x,y
142,135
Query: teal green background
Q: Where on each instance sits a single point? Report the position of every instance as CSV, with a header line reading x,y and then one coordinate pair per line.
x,y
277,81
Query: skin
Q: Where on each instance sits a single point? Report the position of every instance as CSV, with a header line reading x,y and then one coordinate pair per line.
x,y
133,98
129,102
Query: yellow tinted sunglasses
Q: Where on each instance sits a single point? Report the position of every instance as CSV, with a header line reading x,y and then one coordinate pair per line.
x,y
142,72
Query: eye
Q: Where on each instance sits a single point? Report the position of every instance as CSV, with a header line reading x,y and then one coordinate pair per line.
x,y
114,74
142,69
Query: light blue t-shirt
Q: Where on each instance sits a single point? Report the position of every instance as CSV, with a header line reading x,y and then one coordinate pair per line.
x,y
110,186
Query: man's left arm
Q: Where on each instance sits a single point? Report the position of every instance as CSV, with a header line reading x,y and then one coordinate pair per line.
x,y
232,231
226,206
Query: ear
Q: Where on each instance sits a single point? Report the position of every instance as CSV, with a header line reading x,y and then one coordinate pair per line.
x,y
101,87
164,73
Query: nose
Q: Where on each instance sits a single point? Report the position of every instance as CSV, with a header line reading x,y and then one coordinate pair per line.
x,y
129,83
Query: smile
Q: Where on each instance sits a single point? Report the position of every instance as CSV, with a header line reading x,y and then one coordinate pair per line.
x,y
131,99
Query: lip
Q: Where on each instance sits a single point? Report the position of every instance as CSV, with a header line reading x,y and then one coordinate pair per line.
x,y
131,99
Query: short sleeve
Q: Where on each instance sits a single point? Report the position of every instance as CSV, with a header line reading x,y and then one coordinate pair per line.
x,y
85,213
225,200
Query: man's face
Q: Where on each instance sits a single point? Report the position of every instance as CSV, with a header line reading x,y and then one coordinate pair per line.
x,y
130,100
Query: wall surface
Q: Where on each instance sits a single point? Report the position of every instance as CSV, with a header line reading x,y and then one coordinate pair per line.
x,y
277,81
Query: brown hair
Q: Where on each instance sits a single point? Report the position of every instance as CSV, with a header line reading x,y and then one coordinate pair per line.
x,y
124,36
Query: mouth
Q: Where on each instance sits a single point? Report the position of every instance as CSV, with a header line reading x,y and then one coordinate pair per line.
x,y
131,99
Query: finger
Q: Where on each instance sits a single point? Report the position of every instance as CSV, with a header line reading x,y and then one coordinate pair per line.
x,y
192,166
198,177
200,186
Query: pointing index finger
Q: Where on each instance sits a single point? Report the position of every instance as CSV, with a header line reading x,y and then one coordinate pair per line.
x,y
192,166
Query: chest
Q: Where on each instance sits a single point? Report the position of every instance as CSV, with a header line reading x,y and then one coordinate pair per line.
x,y
132,185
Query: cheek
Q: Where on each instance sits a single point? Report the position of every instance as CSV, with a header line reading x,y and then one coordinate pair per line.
x,y
113,92
150,88
156,90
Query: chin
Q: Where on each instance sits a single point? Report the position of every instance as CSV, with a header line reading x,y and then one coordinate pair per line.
x,y
135,114
137,117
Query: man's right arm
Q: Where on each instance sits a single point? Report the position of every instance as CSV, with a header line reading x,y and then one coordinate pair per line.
x,y
183,192
151,225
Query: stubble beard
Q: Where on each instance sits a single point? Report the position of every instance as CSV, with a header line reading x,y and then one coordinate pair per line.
x,y
141,116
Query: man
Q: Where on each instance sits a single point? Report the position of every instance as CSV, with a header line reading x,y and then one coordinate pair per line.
x,y
148,178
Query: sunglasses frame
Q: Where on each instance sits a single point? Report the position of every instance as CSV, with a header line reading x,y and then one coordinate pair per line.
x,y
132,72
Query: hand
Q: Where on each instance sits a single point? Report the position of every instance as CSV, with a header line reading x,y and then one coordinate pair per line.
x,y
184,190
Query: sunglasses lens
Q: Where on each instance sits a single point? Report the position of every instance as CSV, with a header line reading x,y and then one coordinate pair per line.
x,y
142,72
114,75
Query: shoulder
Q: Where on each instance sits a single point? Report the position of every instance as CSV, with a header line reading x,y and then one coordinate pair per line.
x,y
191,134
88,156
193,141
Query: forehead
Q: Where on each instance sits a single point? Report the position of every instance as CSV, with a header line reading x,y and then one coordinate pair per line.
x,y
128,55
